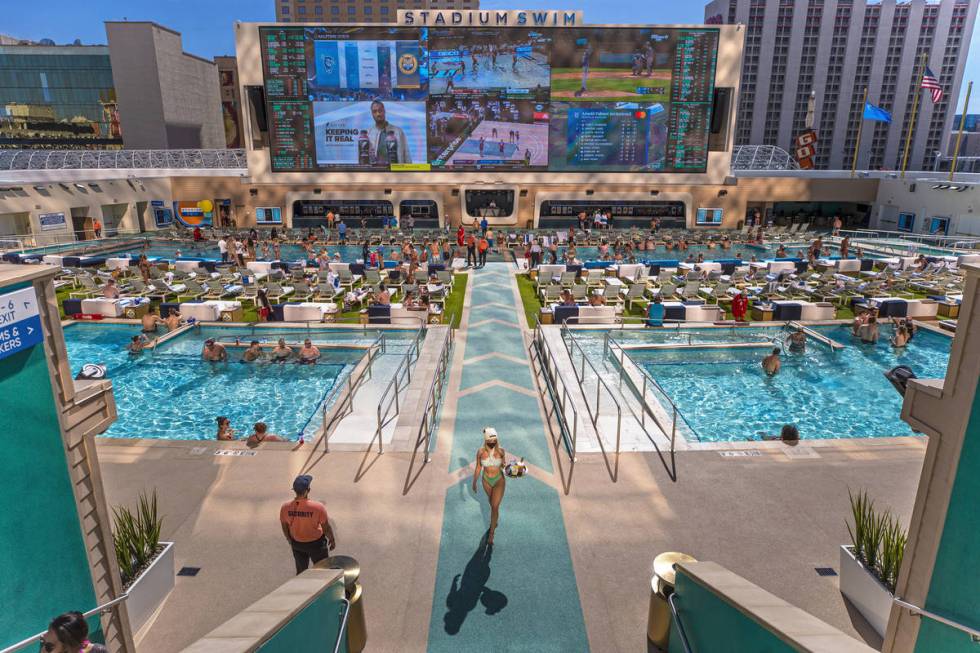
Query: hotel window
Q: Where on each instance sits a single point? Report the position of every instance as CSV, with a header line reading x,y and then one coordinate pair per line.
x,y
334,10
285,11
367,11
318,10
384,11
351,11
301,10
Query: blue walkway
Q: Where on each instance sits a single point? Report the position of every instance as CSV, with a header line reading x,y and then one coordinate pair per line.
x,y
521,595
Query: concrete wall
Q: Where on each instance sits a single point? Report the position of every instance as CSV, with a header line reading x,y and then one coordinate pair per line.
x,y
940,570
733,199
919,197
35,199
723,612
172,98
65,560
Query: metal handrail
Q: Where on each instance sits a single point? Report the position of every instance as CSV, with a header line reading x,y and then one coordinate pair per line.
x,y
33,640
433,396
343,625
351,384
560,409
921,612
394,388
680,624
652,383
569,340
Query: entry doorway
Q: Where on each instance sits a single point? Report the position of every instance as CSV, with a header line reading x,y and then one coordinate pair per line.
x,y
141,215
82,223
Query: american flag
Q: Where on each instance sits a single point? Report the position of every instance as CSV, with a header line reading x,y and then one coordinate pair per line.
x,y
930,82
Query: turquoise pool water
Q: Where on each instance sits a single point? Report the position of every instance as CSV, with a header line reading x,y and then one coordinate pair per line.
x,y
168,250
725,396
172,394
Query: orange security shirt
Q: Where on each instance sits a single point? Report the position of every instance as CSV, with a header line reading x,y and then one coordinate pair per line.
x,y
305,519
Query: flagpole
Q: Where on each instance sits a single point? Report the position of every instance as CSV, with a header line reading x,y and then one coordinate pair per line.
x,y
857,145
959,134
915,109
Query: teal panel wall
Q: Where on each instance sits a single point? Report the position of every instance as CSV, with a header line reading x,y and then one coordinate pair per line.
x,y
44,570
315,628
954,591
714,625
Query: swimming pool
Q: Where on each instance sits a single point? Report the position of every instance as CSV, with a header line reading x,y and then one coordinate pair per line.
x,y
172,394
168,249
724,395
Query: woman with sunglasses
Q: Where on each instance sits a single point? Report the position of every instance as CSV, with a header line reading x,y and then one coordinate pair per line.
x,y
68,633
489,467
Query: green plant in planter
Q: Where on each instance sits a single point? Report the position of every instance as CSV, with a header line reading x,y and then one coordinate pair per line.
x,y
136,535
878,539
892,551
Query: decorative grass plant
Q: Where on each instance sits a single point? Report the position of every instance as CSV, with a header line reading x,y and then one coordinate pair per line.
x,y
878,539
136,535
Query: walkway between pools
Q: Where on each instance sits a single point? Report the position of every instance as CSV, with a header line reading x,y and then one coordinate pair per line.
x,y
520,594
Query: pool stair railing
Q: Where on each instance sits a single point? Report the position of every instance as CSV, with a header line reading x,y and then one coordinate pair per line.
x,y
655,407
816,335
604,414
339,402
389,404
562,416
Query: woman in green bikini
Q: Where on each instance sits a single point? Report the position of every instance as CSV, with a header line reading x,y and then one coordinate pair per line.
x,y
489,467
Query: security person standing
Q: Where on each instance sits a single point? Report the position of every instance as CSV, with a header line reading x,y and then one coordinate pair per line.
x,y
304,523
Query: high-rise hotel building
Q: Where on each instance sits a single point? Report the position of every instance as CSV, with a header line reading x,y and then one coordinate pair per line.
x,y
836,48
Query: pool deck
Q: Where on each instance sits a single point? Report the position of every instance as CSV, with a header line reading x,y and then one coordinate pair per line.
x,y
567,572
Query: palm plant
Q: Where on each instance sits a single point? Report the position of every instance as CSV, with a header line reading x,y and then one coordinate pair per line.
x,y
136,536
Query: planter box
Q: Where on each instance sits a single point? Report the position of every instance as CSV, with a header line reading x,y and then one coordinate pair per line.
x,y
151,588
864,590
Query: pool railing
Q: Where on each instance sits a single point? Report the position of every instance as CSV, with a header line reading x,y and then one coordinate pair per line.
x,y
561,399
656,392
106,608
595,413
401,379
434,395
339,402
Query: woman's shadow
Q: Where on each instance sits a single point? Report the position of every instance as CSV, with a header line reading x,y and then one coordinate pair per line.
x,y
470,587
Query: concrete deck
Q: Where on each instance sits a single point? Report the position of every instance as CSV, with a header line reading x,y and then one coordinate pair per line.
x,y
770,516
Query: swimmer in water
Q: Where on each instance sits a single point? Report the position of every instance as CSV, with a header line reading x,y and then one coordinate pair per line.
x,y
214,352
281,352
136,345
309,353
225,432
253,353
771,363
797,341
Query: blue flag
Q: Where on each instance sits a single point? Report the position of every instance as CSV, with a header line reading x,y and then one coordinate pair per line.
x,y
871,112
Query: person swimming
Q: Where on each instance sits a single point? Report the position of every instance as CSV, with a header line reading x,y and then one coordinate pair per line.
x,y
136,345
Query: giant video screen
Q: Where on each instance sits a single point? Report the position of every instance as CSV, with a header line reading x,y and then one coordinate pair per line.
x,y
391,98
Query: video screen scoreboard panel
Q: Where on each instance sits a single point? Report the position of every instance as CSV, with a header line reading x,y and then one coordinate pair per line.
x,y
631,99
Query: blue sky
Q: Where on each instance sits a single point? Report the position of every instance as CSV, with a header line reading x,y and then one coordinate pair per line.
x,y
206,24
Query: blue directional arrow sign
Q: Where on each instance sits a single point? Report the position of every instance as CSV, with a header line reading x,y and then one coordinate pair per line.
x,y
20,322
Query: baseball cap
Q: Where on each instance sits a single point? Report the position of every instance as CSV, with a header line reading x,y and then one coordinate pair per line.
x,y
302,483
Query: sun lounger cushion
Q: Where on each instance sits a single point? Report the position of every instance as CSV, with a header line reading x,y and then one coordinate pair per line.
x,y
893,308
787,310
102,306
563,313
379,314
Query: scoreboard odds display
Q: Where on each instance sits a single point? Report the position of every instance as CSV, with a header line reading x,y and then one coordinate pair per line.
x,y
395,98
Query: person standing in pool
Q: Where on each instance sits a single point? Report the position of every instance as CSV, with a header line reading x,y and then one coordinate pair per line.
x,y
281,352
260,434
309,354
868,333
771,363
214,352
225,432
489,468
797,341
253,353
151,320
173,320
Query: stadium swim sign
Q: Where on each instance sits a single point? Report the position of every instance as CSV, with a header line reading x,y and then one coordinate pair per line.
x,y
479,18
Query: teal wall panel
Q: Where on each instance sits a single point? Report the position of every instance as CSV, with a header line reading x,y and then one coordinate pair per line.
x,y
315,628
715,625
954,591
44,569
